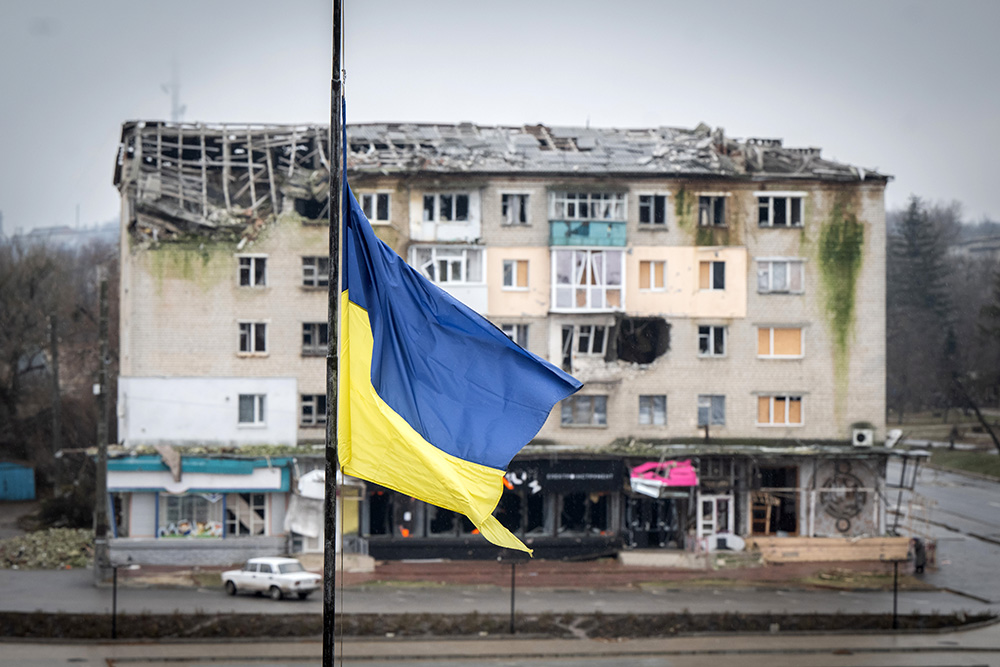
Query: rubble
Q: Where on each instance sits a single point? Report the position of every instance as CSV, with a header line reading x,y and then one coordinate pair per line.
x,y
52,549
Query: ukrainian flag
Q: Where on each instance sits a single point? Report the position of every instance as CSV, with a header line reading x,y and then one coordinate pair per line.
x,y
434,401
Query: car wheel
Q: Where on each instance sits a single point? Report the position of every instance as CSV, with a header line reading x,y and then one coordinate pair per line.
x,y
231,588
303,595
275,593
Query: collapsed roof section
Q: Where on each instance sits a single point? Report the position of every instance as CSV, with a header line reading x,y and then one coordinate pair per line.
x,y
229,180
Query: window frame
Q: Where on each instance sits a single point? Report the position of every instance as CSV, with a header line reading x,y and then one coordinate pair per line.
x,y
588,332
788,196
448,255
515,275
521,209
313,402
580,272
789,262
251,270
251,331
787,399
438,206
312,276
707,202
651,411
711,400
771,329
259,410
712,277
651,275
651,206
609,206
598,418
710,337
373,197
315,330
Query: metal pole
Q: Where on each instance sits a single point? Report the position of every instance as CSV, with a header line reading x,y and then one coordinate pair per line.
x,y
101,480
114,602
332,354
895,593
513,567
56,397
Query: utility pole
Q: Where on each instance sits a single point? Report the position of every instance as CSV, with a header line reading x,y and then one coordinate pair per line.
x,y
56,397
101,561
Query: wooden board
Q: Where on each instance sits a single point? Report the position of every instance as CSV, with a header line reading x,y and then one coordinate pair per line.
x,y
804,549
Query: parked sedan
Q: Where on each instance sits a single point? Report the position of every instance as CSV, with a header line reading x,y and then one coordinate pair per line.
x,y
277,577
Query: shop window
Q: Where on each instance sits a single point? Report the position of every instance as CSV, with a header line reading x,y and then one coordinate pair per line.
x,y
191,515
246,514
774,505
583,513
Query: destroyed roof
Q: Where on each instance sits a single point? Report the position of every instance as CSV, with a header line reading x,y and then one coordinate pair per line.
x,y
538,149
219,178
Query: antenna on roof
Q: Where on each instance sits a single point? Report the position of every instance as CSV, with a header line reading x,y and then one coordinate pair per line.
x,y
174,88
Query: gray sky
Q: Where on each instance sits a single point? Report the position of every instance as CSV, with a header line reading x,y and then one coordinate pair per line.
x,y
909,88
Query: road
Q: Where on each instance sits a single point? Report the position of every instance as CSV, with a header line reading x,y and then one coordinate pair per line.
x,y
963,514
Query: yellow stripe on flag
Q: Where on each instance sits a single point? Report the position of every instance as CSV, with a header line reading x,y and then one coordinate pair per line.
x,y
376,444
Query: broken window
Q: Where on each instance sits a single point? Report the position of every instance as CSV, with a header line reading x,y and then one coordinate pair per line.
x,y
252,270
312,209
711,341
315,338
584,411
251,409
653,410
315,271
380,511
587,206
514,209
712,275
253,337
440,521
583,513
313,410
775,505
587,279
712,211
446,207
711,410
774,342
653,209
652,275
449,265
640,340
375,206
779,411
517,333
246,514
780,211
515,274
780,275
508,510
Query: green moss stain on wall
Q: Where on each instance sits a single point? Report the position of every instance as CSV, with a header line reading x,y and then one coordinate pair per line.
x,y
203,263
840,254
682,209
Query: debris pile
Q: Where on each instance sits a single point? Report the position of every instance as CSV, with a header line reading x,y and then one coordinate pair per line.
x,y
52,549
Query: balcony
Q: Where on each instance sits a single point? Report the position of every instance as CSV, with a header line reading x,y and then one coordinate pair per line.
x,y
602,233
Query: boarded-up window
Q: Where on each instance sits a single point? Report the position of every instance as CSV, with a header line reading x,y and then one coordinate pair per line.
x,y
515,273
779,410
652,275
712,275
779,341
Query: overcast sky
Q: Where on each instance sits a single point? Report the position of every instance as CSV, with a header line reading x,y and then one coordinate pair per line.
x,y
908,88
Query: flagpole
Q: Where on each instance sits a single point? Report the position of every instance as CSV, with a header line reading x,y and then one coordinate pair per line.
x,y
333,354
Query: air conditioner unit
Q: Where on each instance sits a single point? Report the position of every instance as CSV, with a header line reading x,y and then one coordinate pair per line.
x,y
863,437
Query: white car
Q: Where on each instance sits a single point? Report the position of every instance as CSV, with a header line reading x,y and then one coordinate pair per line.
x,y
277,577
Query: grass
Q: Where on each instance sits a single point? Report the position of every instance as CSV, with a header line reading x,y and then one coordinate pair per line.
x,y
983,463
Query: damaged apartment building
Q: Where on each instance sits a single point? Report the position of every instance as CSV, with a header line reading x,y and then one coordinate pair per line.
x,y
722,300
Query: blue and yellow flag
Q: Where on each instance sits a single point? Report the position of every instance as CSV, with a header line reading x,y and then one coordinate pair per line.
x,y
434,400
